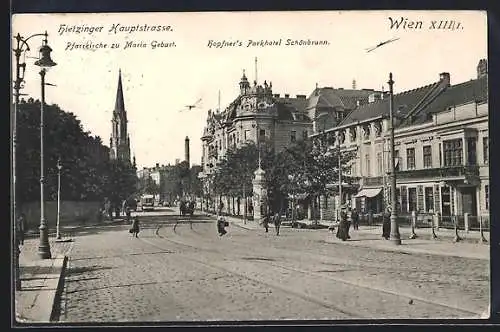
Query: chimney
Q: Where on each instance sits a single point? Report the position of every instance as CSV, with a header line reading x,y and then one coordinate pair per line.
x,y
445,77
287,95
186,150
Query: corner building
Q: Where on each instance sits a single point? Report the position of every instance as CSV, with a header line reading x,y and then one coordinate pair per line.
x,y
257,114
441,151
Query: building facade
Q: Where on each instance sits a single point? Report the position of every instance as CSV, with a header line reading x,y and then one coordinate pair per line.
x,y
257,114
441,150
119,141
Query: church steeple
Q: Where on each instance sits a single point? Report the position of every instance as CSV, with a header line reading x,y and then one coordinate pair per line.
x,y
119,104
119,141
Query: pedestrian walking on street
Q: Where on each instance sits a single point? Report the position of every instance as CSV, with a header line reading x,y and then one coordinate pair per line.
x,y
135,227
386,224
343,227
277,222
21,228
265,221
221,225
355,219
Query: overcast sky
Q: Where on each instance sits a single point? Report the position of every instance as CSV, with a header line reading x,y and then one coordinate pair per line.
x,y
159,82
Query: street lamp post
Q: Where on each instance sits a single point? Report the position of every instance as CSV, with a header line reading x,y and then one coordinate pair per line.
x,y
394,235
44,62
59,167
21,47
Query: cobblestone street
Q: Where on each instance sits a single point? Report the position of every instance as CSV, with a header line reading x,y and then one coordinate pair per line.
x,y
185,272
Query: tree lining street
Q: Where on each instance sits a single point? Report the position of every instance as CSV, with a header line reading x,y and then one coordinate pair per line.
x,y
183,271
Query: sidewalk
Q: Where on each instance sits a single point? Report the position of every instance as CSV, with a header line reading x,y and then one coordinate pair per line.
x,y
370,237
423,244
41,281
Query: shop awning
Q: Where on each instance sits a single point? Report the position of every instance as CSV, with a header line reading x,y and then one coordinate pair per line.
x,y
368,192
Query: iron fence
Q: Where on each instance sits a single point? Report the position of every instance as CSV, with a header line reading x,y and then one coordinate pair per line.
x,y
427,220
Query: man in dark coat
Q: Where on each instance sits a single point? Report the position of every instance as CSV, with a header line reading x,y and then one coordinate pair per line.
x,y
386,224
221,225
265,221
21,228
355,219
135,227
277,222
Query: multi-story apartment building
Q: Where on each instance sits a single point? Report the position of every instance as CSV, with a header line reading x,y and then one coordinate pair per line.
x,y
257,114
441,149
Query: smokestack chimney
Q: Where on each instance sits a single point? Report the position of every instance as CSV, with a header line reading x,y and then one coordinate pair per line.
x,y
445,77
186,150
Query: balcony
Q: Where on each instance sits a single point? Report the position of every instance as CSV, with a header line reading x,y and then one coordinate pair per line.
x,y
466,173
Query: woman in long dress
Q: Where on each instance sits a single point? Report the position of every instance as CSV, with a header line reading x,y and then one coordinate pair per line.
x,y
343,226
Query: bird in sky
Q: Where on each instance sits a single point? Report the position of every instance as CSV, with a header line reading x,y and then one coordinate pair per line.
x,y
380,44
190,107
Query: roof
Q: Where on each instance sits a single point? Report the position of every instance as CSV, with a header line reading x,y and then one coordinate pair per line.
x,y
459,94
299,104
344,98
289,108
403,103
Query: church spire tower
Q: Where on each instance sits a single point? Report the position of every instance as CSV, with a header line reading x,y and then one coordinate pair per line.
x,y
120,140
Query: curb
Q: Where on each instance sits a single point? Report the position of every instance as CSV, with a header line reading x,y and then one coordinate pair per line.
x,y
408,250
60,287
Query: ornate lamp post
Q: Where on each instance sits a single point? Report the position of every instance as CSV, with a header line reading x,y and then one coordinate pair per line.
x,y
21,47
45,62
394,235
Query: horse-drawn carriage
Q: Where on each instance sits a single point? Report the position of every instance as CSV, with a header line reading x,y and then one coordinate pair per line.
x,y
186,208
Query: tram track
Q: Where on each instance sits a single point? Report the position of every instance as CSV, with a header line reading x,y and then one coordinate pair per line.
x,y
331,260
467,312
322,303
